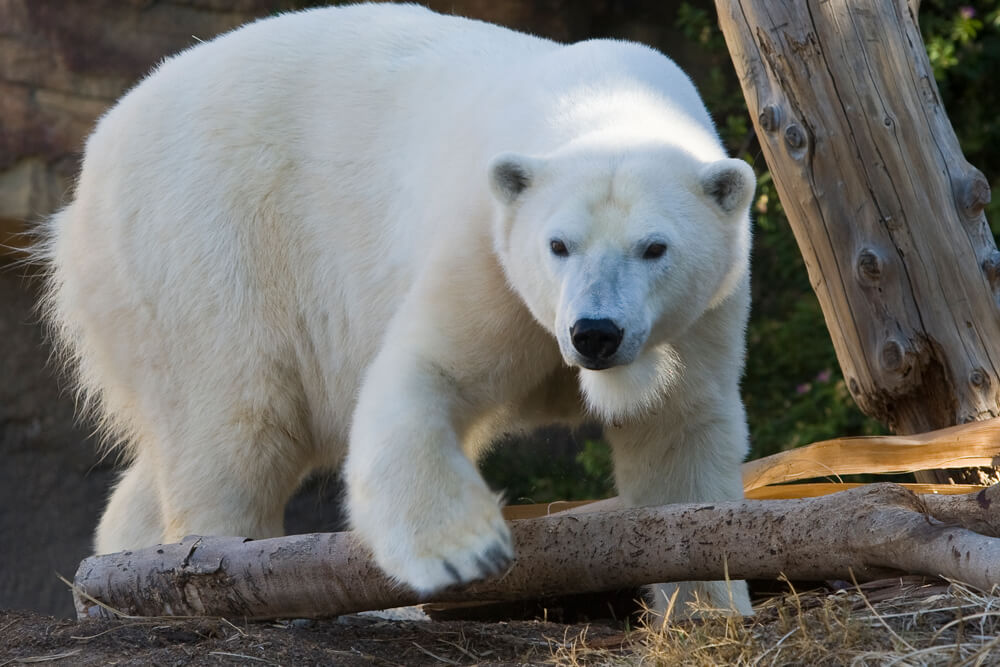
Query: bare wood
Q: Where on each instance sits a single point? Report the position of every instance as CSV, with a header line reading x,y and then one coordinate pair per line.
x,y
814,490
963,446
887,212
535,510
874,531
770,492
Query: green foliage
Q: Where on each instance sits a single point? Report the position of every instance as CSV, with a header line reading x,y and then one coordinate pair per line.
x,y
557,468
793,389
698,25
963,44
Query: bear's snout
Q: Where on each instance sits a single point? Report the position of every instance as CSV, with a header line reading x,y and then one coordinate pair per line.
x,y
596,340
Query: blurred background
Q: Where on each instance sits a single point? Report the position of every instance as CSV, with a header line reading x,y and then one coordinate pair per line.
x,y
63,62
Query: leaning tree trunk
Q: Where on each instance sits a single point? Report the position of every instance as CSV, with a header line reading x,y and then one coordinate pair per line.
x,y
886,210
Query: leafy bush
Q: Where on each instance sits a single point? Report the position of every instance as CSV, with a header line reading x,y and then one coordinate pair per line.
x,y
554,464
963,44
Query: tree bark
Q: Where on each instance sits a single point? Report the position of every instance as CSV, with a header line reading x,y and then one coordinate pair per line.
x,y
886,210
870,532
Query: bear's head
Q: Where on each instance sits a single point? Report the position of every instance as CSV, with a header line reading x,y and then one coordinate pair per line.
x,y
617,251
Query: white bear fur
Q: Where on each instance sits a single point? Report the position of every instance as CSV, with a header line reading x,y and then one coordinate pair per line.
x,y
302,245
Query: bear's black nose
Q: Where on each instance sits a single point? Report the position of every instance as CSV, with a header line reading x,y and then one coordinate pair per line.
x,y
596,339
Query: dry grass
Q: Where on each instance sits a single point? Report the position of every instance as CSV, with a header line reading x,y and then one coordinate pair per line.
x,y
902,622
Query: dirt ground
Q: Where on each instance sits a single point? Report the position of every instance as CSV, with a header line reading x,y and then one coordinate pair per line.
x,y
900,621
349,640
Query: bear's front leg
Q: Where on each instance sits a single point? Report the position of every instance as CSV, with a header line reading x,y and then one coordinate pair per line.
x,y
415,499
668,457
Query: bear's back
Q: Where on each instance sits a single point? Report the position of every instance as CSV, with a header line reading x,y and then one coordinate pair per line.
x,y
332,81
349,50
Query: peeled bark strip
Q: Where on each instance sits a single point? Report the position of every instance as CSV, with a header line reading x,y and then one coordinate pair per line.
x,y
963,446
814,489
887,212
872,532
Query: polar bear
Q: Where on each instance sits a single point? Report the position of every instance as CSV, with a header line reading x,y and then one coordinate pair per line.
x,y
374,238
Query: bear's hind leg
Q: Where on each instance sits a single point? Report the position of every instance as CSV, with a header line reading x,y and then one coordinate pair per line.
x,y
133,516
240,488
218,458
233,479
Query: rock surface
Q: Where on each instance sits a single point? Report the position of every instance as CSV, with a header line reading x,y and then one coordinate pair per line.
x,y
63,63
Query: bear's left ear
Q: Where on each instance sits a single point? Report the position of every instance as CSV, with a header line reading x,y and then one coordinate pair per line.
x,y
730,183
510,175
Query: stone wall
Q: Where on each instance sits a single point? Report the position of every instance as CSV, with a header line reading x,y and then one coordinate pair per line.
x,y
63,62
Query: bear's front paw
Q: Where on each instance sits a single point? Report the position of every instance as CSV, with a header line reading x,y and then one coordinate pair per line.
x,y
434,540
437,560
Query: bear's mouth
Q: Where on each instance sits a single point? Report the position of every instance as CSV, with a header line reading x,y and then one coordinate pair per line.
x,y
596,365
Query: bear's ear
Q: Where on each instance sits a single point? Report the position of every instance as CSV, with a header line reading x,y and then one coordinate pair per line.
x,y
729,183
510,175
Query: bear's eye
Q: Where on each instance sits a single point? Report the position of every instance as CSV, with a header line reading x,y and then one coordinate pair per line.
x,y
558,248
654,251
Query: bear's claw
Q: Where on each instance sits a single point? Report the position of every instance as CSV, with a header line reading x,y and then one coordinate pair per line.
x,y
430,563
452,572
495,560
490,563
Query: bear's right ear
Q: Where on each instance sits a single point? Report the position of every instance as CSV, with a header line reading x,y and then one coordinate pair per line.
x,y
730,183
510,175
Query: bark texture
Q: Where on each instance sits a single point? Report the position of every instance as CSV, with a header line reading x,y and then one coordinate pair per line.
x,y
869,532
886,210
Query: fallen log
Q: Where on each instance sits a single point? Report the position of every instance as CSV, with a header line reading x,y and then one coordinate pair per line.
x,y
869,532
